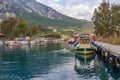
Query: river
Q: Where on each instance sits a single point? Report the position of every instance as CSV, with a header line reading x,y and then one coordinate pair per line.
x,y
52,62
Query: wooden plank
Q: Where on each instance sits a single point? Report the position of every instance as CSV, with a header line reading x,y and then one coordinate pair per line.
x,y
113,49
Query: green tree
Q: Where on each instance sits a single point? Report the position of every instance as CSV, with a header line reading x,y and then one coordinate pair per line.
x,y
101,19
7,25
21,28
115,19
53,35
36,29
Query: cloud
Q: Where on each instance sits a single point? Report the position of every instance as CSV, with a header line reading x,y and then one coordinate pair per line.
x,y
80,9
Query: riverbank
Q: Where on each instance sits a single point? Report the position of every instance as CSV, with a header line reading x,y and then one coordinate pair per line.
x,y
37,41
110,40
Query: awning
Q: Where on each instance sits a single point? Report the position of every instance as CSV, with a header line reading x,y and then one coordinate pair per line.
x,y
2,35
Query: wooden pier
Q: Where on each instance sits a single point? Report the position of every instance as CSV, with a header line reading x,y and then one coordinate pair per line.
x,y
108,52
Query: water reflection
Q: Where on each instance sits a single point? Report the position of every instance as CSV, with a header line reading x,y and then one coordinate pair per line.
x,y
27,62
84,65
90,67
52,62
112,71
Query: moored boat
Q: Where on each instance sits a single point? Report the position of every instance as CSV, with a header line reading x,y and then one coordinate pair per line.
x,y
82,57
71,41
85,45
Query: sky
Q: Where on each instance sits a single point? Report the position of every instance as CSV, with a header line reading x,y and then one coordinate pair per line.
x,y
80,9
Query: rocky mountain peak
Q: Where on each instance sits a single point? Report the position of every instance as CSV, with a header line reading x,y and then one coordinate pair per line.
x,y
29,6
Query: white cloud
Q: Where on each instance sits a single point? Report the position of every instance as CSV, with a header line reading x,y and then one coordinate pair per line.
x,y
80,9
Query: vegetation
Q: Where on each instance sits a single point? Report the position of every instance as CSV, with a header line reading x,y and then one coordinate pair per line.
x,y
13,28
53,35
33,19
36,29
106,19
20,29
7,26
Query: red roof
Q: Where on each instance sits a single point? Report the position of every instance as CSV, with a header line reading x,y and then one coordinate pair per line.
x,y
1,34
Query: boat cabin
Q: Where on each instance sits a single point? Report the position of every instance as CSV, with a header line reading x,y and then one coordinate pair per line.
x,y
84,38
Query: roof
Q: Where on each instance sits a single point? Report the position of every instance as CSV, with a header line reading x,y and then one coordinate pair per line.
x,y
85,34
1,34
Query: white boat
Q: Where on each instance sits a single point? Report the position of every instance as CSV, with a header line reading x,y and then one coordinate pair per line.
x,y
85,46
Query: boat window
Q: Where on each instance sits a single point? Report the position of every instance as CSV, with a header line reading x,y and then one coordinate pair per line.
x,y
84,41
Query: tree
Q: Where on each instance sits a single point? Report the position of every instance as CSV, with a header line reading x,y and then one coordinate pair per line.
x,y
12,28
21,29
36,29
115,18
53,35
107,19
101,19
7,25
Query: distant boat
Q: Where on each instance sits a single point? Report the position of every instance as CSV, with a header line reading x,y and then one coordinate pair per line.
x,y
71,41
85,46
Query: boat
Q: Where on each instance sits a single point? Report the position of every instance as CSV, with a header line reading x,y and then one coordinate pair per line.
x,y
71,41
85,45
82,57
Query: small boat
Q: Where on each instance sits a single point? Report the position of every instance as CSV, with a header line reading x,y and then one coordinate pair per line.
x,y
71,41
85,45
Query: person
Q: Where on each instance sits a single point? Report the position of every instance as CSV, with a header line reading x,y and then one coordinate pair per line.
x,y
74,39
94,38
28,40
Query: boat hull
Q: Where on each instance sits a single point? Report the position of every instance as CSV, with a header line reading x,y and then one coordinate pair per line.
x,y
85,51
82,57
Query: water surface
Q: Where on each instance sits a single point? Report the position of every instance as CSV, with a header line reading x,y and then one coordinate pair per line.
x,y
52,62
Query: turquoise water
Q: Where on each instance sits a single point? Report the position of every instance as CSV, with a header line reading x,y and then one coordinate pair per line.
x,y
52,62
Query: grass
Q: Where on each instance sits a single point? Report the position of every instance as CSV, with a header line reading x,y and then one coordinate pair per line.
x,y
110,40
69,34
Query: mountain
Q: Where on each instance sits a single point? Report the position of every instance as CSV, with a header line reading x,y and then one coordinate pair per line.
x,y
37,13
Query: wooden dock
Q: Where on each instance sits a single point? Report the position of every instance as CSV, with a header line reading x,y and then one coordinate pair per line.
x,y
110,53
113,49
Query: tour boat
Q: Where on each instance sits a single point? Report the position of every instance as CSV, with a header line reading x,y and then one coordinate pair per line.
x,y
85,45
